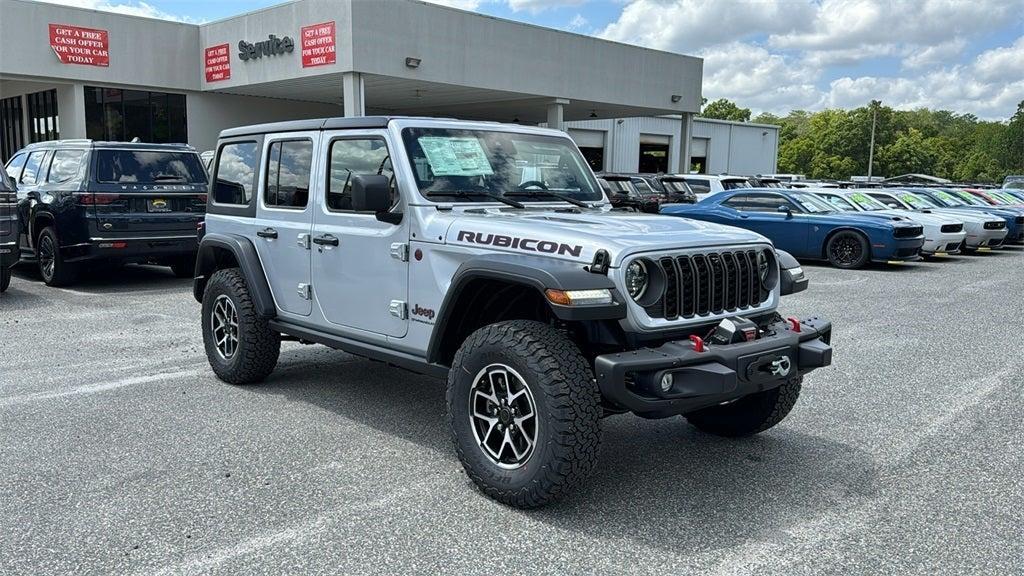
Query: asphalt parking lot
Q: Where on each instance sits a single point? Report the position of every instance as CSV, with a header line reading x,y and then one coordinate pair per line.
x,y
120,453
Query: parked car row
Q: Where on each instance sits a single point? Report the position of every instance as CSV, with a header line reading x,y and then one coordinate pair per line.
x,y
851,227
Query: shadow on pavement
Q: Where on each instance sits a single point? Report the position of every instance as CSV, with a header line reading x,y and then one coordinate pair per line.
x,y
662,484
105,278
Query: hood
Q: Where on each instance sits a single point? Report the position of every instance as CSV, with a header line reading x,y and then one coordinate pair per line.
x,y
964,216
578,236
927,218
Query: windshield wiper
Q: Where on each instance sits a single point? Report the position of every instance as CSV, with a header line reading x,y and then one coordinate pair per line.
x,y
560,196
469,193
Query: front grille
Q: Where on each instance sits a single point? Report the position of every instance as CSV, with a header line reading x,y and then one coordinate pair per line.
x,y
952,247
951,228
908,231
995,242
995,225
704,284
906,252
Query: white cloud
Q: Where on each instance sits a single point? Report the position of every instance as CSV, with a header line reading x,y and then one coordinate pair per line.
x,y
755,78
929,56
536,6
577,23
460,4
131,8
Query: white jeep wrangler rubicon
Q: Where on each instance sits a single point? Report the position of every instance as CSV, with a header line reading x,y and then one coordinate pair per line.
x,y
487,254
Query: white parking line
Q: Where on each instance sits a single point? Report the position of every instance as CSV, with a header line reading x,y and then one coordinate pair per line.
x,y
96,388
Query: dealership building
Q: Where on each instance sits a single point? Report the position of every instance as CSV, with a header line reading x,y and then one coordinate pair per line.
x,y
76,73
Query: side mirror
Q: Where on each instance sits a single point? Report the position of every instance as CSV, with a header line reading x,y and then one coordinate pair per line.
x,y
785,210
372,193
893,206
792,278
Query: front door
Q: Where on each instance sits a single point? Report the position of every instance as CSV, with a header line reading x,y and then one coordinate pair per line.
x,y
360,272
284,219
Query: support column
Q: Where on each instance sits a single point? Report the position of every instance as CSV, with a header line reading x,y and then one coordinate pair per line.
x,y
685,142
556,113
353,93
71,111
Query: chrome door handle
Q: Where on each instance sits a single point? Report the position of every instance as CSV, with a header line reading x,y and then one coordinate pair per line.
x,y
268,233
326,240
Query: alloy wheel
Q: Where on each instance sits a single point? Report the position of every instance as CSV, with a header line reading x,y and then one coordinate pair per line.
x,y
846,250
47,257
224,323
503,416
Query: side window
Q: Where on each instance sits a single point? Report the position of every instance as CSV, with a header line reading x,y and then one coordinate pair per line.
x,y
66,165
35,160
289,163
15,165
236,173
699,186
738,202
641,185
883,198
356,156
768,203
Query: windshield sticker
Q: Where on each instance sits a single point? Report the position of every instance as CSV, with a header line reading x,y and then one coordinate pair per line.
x,y
453,156
860,199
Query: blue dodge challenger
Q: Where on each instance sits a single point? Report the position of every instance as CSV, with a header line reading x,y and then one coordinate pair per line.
x,y
807,227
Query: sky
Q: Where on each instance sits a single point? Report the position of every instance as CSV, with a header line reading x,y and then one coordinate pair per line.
x,y
774,55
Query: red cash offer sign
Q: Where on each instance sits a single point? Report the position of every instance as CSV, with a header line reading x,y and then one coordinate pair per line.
x,y
218,63
318,44
77,45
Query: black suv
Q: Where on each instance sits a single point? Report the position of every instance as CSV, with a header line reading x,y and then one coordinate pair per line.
x,y
623,194
674,189
82,200
8,230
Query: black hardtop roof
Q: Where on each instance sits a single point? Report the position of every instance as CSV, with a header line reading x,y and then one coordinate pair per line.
x,y
101,144
337,123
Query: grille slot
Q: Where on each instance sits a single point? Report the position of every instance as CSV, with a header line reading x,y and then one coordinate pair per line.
x,y
950,228
706,284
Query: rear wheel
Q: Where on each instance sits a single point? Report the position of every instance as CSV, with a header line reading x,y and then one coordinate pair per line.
x,y
52,267
241,347
848,249
5,278
184,266
524,411
750,414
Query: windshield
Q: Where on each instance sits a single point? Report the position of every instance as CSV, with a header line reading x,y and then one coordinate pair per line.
x,y
917,202
152,167
734,184
838,203
677,186
811,204
496,163
620,186
866,202
1005,197
969,198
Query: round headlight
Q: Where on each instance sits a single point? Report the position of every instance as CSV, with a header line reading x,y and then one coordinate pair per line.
x,y
762,266
636,279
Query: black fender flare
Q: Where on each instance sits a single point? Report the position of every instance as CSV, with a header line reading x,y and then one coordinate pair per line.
x,y
791,276
249,262
537,272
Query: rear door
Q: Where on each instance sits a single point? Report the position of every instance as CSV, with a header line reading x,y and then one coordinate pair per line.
x,y
284,217
146,193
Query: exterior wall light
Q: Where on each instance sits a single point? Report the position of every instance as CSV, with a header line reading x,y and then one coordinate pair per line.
x,y
676,98
412,62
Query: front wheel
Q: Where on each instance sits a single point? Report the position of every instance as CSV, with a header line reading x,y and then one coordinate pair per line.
x,y
524,410
750,414
848,249
241,347
5,278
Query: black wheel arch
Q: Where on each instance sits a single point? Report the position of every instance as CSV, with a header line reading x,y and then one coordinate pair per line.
x,y
496,287
219,251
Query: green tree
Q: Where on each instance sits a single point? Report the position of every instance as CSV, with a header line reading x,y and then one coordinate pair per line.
x,y
723,109
908,154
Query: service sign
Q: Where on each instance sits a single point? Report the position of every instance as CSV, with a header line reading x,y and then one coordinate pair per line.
x,y
218,63
318,44
77,45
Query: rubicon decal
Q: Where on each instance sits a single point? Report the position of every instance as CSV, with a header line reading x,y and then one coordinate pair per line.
x,y
528,244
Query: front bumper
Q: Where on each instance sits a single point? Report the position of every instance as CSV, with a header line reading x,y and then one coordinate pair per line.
x,y
632,380
986,238
948,243
898,249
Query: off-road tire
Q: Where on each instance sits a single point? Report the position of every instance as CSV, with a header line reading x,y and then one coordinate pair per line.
x,y
567,405
258,345
5,278
751,414
184,266
64,273
843,236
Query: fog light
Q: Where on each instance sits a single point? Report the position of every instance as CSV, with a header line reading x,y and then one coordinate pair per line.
x,y
666,382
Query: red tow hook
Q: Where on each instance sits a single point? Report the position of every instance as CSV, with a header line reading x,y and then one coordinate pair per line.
x,y
698,343
794,324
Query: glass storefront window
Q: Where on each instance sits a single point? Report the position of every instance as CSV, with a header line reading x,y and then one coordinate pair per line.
x,y
116,114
